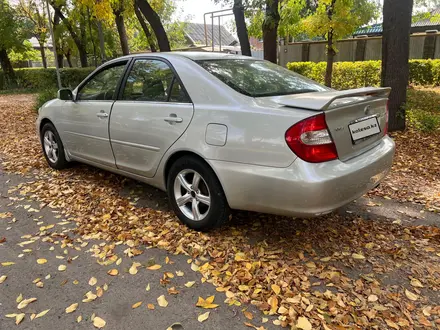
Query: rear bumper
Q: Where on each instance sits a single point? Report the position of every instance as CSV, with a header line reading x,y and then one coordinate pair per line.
x,y
304,189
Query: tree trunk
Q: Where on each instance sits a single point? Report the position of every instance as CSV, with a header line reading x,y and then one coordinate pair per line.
x,y
242,32
43,55
270,30
89,21
395,56
69,59
330,59
119,19
8,71
147,32
56,42
77,40
101,42
156,24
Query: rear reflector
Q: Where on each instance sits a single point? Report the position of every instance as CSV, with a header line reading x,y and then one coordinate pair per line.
x,y
310,140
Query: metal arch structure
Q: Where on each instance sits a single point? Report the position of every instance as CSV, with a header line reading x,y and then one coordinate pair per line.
x,y
215,14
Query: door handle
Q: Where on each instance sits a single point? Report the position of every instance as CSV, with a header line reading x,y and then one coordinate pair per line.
x,y
172,119
102,114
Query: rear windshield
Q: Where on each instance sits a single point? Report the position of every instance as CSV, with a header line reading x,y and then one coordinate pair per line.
x,y
259,78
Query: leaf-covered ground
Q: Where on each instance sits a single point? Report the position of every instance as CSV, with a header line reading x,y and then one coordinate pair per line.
x,y
333,272
416,171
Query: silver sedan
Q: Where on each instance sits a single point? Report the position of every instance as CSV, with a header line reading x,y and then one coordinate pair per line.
x,y
221,132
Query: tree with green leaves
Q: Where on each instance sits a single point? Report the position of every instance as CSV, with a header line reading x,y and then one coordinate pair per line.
x,y
155,22
13,31
274,22
75,24
395,57
336,19
34,11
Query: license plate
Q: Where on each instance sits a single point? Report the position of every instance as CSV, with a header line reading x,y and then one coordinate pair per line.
x,y
364,128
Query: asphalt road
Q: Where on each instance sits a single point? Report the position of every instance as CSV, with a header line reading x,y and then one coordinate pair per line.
x,y
115,305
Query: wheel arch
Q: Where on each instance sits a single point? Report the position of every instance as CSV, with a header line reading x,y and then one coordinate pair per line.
x,y
45,121
182,153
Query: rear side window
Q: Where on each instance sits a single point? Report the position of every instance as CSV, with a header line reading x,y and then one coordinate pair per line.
x,y
154,81
259,78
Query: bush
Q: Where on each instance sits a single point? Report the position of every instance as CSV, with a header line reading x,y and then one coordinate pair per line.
x,y
348,75
423,109
43,79
45,95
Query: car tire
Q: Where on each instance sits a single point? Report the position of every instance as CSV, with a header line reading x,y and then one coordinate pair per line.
x,y
198,200
53,148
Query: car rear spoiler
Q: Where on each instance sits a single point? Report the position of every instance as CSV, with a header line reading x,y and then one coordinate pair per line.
x,y
321,101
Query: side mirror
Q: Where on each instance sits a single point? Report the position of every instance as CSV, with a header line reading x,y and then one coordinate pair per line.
x,y
65,94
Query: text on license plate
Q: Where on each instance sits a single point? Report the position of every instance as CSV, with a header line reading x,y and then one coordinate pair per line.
x,y
364,128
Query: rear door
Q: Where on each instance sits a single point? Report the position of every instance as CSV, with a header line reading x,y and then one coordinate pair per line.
x,y
85,121
152,111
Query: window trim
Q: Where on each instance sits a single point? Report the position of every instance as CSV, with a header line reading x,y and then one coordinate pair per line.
x,y
161,59
98,71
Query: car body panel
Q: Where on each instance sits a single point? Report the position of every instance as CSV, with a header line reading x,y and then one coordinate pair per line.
x,y
249,154
304,189
83,133
140,136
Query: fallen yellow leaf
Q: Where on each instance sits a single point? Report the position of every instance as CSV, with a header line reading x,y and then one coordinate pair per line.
x,y
410,295
113,272
136,305
357,256
416,283
41,261
79,319
41,314
8,263
162,301
72,308
148,287
19,318
203,317
98,322
19,298
248,315
3,278
276,288
62,268
303,323
154,267
208,303
180,273
25,302
93,281
189,284
150,306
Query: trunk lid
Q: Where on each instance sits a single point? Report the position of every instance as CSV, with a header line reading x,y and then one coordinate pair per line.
x,y
356,118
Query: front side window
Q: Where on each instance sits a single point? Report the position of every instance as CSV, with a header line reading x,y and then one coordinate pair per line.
x,y
153,80
102,86
259,78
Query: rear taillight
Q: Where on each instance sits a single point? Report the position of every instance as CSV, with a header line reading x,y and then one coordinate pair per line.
x,y
387,115
310,140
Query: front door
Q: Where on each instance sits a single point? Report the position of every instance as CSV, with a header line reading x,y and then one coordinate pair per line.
x,y
86,121
150,115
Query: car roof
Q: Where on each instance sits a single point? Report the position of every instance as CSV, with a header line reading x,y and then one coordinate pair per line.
x,y
197,55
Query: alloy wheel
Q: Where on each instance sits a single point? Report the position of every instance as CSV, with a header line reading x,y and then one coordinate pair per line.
x,y
50,146
192,194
